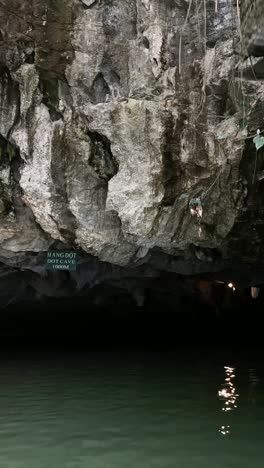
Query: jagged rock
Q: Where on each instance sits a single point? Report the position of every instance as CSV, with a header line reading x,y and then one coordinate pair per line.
x,y
113,118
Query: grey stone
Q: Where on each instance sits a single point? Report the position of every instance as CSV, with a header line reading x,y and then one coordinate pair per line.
x,y
118,117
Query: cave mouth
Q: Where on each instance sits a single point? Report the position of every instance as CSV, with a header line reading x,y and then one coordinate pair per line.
x,y
109,318
103,305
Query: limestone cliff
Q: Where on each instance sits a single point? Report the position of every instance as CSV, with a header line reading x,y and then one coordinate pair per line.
x,y
126,131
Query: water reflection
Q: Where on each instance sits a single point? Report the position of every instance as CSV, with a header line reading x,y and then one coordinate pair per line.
x,y
253,379
225,430
228,395
104,410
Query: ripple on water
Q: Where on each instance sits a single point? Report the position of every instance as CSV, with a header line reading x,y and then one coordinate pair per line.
x,y
102,412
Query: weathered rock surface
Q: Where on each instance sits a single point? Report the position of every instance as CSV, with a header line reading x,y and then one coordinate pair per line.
x,y
118,119
252,26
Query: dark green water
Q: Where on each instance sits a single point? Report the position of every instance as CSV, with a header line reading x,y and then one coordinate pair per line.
x,y
131,411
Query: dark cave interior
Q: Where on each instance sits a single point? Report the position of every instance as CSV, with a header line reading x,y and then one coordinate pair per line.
x,y
104,305
107,316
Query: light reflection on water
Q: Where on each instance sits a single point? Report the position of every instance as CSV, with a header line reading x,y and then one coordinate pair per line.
x,y
125,412
228,394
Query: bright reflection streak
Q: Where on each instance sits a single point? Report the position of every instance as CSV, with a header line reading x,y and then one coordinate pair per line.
x,y
224,430
229,395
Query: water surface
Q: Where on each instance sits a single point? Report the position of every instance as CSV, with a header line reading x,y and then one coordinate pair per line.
x,y
111,410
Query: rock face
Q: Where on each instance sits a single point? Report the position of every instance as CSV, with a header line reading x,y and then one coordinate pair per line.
x,y
126,131
252,22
